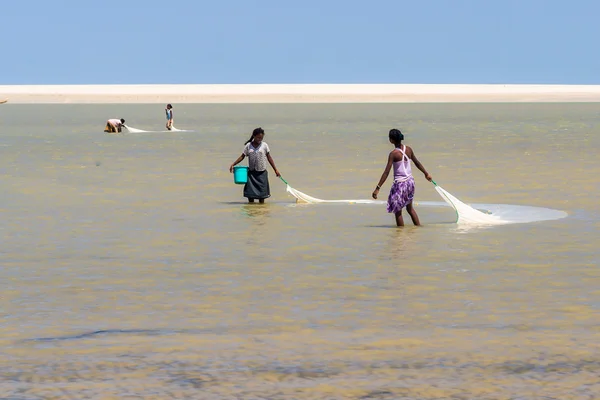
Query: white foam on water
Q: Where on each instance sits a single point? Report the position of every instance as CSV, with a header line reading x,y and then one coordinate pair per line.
x,y
475,214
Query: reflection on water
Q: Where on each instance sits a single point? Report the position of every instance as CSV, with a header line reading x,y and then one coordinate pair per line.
x,y
132,266
259,212
400,241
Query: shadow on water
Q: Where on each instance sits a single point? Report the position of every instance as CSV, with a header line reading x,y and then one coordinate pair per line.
x,y
246,203
410,225
114,332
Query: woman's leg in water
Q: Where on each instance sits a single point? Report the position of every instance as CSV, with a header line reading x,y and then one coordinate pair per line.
x,y
399,219
413,214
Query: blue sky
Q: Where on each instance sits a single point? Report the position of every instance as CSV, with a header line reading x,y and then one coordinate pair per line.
x,y
309,41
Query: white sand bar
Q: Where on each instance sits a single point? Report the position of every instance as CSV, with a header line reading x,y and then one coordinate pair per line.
x,y
297,93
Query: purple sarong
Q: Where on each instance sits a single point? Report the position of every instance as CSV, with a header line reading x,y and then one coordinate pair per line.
x,y
401,194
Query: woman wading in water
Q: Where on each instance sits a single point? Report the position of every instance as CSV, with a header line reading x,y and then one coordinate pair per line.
x,y
403,188
258,154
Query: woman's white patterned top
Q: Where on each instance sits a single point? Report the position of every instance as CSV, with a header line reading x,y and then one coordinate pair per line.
x,y
257,156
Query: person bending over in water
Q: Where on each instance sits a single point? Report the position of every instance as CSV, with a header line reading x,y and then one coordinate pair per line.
x,y
169,114
403,188
114,125
258,154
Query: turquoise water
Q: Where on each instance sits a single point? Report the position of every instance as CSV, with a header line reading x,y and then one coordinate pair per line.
x,y
132,266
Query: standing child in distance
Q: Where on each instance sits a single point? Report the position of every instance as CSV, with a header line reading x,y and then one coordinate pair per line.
x,y
169,115
258,154
403,188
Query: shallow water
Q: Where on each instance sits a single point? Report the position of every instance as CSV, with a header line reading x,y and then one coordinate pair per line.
x,y
131,265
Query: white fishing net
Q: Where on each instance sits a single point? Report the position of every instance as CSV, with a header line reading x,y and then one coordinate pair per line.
x,y
475,214
135,130
495,214
304,198
466,214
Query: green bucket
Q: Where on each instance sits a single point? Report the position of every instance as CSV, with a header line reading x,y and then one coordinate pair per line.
x,y
240,175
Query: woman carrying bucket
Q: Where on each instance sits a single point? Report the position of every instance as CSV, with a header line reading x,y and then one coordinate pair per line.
x,y
257,180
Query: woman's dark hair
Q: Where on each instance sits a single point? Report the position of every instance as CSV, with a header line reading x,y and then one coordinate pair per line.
x,y
396,136
255,132
122,121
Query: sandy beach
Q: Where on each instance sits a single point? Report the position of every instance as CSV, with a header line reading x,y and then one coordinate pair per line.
x,y
297,93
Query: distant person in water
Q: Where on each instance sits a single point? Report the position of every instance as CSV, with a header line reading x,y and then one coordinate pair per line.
x,y
258,154
114,125
169,115
403,188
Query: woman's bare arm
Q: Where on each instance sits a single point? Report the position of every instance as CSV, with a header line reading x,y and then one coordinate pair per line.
x,y
270,159
384,176
419,165
240,158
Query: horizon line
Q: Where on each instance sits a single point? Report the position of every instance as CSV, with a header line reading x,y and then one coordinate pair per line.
x,y
300,84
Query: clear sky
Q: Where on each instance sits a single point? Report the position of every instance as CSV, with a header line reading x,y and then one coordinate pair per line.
x,y
308,41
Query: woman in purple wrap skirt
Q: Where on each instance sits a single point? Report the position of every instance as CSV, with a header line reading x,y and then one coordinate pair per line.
x,y
403,188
